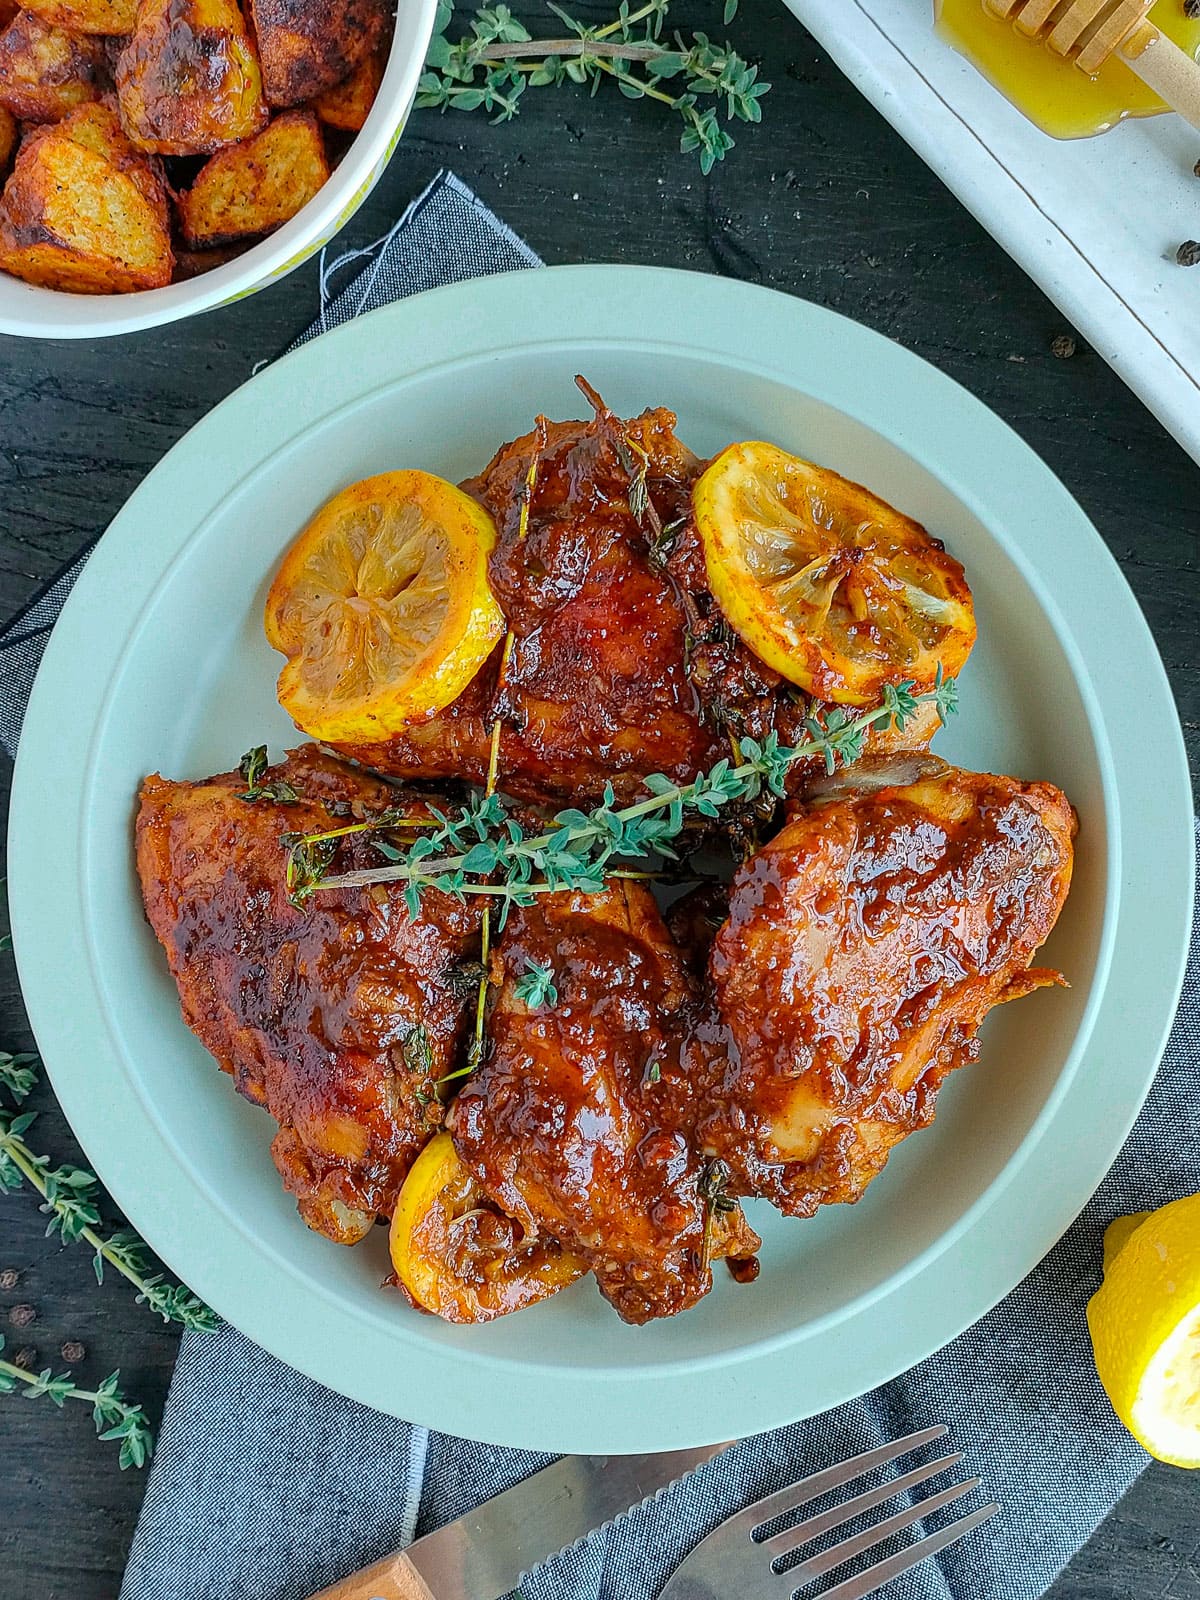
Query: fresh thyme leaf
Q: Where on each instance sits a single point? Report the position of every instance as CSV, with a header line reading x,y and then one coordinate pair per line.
x,y
252,766
70,1198
114,1417
18,1074
537,987
653,1072
492,64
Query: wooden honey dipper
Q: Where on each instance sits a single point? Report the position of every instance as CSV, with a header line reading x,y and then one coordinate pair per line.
x,y
1090,31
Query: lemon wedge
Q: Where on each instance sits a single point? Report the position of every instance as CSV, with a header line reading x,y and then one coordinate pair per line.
x,y
828,584
1145,1326
383,608
459,1257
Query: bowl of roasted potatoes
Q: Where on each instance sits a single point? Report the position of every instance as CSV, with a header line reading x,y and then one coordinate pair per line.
x,y
161,157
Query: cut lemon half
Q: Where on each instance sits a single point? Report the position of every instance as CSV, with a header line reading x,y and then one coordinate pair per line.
x,y
827,583
383,608
459,1257
1145,1326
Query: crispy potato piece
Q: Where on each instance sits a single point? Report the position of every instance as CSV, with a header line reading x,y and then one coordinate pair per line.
x,y
45,71
70,218
346,105
188,81
308,46
86,16
96,126
9,132
256,186
194,263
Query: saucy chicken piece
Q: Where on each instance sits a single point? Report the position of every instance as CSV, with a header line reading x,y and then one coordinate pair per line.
x,y
864,946
596,686
337,1016
578,1122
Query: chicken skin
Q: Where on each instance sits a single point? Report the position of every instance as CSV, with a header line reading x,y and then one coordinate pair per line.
x,y
338,1015
578,1123
863,948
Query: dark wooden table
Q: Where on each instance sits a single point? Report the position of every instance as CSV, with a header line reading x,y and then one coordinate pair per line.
x,y
824,201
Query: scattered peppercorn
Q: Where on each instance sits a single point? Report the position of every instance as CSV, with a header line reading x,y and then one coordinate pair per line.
x,y
73,1351
9,1278
22,1316
1191,9
1196,169
1063,346
26,1358
1188,254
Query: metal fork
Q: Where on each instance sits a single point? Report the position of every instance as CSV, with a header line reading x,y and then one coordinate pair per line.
x,y
730,1563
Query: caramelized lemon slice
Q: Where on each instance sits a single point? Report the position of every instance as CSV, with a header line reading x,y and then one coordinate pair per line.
x,y
382,607
459,1257
828,584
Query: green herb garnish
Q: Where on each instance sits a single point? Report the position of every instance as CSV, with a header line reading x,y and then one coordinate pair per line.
x,y
492,64
537,987
114,1417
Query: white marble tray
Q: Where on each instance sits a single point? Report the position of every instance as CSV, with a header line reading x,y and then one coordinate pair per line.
x,y
1095,221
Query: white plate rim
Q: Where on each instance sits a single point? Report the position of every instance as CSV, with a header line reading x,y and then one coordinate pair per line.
x,y
714,319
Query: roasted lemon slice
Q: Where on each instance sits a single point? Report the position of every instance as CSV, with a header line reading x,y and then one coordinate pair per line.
x,y
459,1257
828,584
1145,1326
382,607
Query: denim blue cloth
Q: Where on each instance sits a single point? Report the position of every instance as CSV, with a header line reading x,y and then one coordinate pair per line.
x,y
267,1485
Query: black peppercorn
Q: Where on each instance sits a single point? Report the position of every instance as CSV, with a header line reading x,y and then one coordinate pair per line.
x,y
1063,346
1188,254
9,1278
73,1351
22,1316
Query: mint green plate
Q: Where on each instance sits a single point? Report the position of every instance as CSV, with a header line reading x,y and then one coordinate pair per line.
x,y
159,663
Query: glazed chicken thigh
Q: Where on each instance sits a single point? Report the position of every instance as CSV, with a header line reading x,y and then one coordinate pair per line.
x,y
337,1015
864,946
578,1123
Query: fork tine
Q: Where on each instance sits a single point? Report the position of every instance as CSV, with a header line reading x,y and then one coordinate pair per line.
x,y
811,1488
847,1510
838,1554
874,1578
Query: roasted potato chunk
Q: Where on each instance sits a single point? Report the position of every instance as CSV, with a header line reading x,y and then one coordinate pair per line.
x,y
45,71
308,46
70,218
188,81
97,127
8,136
86,16
346,105
258,185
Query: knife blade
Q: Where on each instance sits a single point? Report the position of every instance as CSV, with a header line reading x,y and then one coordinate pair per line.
x,y
483,1554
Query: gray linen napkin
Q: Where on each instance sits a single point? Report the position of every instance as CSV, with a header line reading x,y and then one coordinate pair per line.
x,y
267,1485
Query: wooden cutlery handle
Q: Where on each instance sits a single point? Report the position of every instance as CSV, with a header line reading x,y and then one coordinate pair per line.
x,y
393,1578
1169,71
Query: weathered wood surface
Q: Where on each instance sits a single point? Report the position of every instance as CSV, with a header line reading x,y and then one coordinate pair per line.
x,y
824,201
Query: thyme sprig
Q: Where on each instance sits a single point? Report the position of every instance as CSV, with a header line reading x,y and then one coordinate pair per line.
x,y
711,1186
485,851
493,63
70,1199
114,1416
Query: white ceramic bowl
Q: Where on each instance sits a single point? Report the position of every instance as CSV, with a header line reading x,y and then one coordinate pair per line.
x,y
51,314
